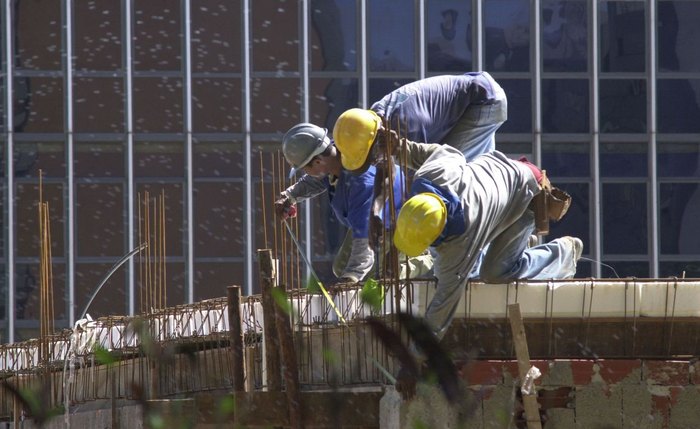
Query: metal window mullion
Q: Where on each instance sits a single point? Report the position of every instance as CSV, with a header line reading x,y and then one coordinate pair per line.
x,y
128,112
651,120
70,206
245,16
9,176
364,84
536,64
189,186
477,32
421,40
304,62
596,216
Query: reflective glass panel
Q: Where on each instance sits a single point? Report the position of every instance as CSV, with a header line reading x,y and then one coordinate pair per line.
x,y
564,35
211,278
275,35
159,159
157,38
38,105
28,296
623,159
691,269
679,211
216,36
564,159
565,106
27,218
519,93
622,36
378,88
31,157
158,105
391,33
623,106
99,219
37,33
147,196
98,105
622,269
678,36
173,294
507,35
275,105
624,220
678,159
219,219
449,35
678,106
110,300
331,98
218,159
98,159
216,105
333,35
97,35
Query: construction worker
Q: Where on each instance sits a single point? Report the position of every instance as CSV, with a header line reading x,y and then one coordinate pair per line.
x,y
308,148
457,207
463,111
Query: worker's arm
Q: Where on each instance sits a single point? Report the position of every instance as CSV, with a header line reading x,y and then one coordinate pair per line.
x,y
360,261
305,188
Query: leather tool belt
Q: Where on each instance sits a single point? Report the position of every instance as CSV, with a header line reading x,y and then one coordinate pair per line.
x,y
550,204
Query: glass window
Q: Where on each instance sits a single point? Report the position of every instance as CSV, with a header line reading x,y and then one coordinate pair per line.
x,y
507,35
275,105
678,36
576,222
449,35
99,219
98,105
519,93
564,36
158,105
564,159
111,300
37,32
157,37
218,159
219,218
623,159
98,159
159,159
378,88
679,211
174,294
28,294
216,105
216,36
38,105
212,278
275,35
622,36
691,269
678,105
391,47
27,218
678,159
32,156
565,106
625,229
622,269
97,35
333,35
623,106
331,98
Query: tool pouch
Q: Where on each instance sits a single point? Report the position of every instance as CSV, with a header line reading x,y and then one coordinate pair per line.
x,y
549,204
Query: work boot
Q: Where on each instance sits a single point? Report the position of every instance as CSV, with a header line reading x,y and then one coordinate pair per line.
x,y
533,241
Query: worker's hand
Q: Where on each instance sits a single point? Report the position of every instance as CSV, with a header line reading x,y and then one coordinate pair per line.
x,y
376,231
387,145
284,208
406,383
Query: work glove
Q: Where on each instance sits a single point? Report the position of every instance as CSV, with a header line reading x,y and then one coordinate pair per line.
x,y
285,208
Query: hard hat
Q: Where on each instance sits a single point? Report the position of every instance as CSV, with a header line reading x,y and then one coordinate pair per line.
x,y
420,222
354,134
302,142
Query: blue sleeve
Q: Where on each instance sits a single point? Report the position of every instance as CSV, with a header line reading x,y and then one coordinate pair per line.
x,y
359,199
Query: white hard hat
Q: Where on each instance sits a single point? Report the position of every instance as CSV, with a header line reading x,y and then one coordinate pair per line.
x,y
303,142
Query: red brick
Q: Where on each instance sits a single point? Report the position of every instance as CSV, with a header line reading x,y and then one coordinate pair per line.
x,y
666,372
695,372
582,372
615,371
482,372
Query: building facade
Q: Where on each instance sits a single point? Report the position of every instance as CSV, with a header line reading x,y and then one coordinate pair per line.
x,y
103,101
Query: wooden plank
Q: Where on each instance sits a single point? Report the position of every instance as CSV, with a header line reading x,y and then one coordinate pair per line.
x,y
532,411
233,294
272,357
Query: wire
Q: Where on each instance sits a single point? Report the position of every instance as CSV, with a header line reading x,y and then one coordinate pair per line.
x,y
601,263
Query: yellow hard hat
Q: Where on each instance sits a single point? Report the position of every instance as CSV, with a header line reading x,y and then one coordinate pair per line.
x,y
354,134
420,222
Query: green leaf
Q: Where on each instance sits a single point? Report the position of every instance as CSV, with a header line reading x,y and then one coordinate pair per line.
x,y
280,298
103,356
313,285
372,294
